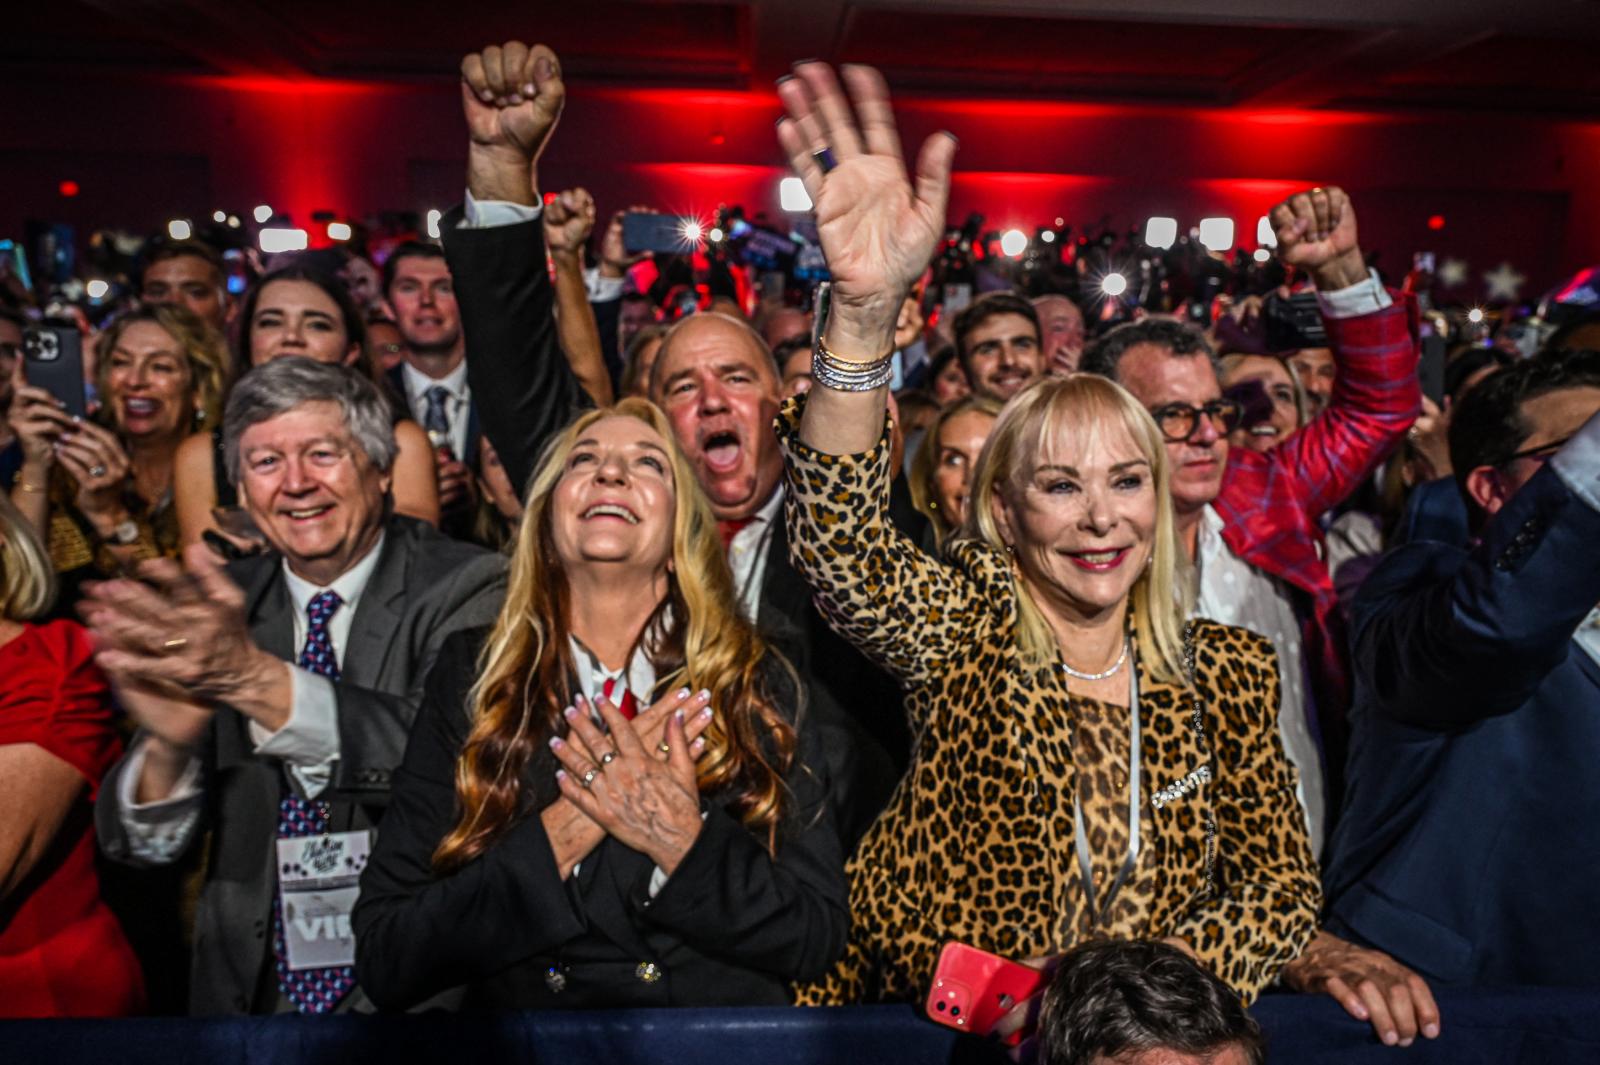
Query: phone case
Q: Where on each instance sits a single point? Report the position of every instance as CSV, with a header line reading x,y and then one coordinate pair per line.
x,y
972,989
53,361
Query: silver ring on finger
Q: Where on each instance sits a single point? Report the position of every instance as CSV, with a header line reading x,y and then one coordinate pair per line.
x,y
607,758
825,159
97,470
588,778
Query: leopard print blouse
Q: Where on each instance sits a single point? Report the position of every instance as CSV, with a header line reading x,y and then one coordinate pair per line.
x,y
977,842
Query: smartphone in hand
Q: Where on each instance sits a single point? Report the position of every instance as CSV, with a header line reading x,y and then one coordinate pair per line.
x,y
52,359
973,989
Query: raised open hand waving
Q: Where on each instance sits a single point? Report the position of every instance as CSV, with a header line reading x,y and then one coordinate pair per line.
x,y
878,227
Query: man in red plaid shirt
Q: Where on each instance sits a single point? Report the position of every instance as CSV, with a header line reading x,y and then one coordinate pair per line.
x,y
1249,520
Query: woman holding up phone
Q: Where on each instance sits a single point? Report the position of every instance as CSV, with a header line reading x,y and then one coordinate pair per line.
x,y
1085,764
101,494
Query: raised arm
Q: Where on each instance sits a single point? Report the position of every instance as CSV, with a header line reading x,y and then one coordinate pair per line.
x,y
568,220
511,98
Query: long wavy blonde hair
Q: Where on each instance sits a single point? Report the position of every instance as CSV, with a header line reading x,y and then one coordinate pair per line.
x,y
696,639
1073,408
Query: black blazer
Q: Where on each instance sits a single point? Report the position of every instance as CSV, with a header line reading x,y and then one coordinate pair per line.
x,y
732,926
398,394
528,392
424,587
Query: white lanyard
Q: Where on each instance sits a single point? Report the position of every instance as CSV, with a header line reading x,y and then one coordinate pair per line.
x,y
1080,837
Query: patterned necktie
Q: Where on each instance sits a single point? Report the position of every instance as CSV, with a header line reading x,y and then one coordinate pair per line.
x,y
311,990
629,705
435,419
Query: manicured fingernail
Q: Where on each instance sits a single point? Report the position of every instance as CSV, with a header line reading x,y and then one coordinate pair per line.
x,y
677,715
705,693
952,136
706,713
1406,1042
1431,1031
683,693
555,743
561,774
529,91
570,711
1390,1039
544,68
515,98
698,746
486,96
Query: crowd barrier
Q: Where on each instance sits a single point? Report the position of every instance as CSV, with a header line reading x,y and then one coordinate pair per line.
x,y
1543,1027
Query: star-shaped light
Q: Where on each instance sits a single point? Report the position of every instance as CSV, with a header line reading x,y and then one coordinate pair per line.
x,y
1453,273
1504,282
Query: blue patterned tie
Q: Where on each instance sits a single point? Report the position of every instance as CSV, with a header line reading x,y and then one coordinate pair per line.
x,y
435,419
311,990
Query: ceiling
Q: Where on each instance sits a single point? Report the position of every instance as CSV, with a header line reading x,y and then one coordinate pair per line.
x,y
1535,56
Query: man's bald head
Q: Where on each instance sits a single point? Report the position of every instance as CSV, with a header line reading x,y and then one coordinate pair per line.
x,y
702,333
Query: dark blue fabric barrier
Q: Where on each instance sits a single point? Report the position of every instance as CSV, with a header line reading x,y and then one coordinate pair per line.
x,y
1544,1027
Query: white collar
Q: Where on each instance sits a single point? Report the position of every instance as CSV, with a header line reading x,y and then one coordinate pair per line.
x,y
769,509
348,585
418,383
639,677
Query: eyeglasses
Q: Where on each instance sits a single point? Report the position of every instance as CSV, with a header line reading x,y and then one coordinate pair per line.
x,y
1538,454
1180,421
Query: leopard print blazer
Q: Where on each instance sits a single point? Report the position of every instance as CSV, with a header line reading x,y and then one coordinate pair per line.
x,y
977,842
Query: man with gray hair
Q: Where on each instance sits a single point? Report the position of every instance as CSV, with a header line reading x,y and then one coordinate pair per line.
x,y
274,696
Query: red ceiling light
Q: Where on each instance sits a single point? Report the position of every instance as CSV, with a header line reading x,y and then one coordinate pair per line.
x,y
68,188
1436,221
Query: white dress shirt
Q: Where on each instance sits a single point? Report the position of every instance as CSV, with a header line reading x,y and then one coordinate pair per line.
x,y
747,554
307,744
457,401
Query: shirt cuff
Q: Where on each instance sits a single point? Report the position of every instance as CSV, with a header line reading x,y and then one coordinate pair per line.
x,y
308,743
1578,463
602,289
489,214
157,831
1363,297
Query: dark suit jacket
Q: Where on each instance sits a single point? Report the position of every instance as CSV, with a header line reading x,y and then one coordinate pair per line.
x,y
396,380
731,926
1434,511
527,393
1467,846
424,587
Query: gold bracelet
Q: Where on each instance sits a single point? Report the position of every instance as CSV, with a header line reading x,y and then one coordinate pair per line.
x,y
847,375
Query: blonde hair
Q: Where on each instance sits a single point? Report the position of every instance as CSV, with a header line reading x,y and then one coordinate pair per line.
x,y
925,463
1081,405
203,348
697,639
27,580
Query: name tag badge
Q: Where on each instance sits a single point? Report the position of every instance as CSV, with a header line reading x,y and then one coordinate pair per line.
x,y
318,881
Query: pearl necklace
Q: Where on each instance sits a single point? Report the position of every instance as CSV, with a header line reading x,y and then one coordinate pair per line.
x,y
1123,657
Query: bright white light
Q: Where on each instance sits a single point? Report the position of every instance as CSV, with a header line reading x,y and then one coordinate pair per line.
x,y
1014,242
219,217
233,221
792,195
1265,236
263,214
179,229
692,231
1474,316
96,289
714,236
1262,255
1113,284
1061,222
1216,233
1048,236
273,240
338,231
433,223
1161,232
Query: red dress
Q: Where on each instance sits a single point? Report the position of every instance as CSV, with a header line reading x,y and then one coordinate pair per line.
x,y
62,952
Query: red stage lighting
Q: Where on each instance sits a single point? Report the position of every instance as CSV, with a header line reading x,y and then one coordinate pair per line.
x,y
68,188
1436,221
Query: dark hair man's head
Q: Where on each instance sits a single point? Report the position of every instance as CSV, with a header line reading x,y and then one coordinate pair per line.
x,y
190,274
1503,431
1142,1003
997,340
1169,367
420,292
636,312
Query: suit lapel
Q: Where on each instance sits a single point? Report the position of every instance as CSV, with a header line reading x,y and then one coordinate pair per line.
x,y
270,614
785,595
373,630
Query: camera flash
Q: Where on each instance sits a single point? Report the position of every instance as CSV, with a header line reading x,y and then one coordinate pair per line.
x,y
1013,242
275,240
96,289
1262,255
1113,284
692,231
179,229
219,217
263,214
338,231
1216,233
1475,315
1161,232
792,195
1264,233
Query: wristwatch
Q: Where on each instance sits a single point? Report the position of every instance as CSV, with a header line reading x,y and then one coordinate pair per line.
x,y
124,533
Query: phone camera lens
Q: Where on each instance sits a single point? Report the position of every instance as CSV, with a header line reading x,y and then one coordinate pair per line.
x,y
939,1006
955,1011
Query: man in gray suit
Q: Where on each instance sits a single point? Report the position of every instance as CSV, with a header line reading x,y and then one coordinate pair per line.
x,y
274,697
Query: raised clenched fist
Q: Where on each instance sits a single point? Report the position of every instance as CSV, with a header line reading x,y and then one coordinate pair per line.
x,y
512,96
1316,232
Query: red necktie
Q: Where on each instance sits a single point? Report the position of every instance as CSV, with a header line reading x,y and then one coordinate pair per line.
x,y
629,705
730,529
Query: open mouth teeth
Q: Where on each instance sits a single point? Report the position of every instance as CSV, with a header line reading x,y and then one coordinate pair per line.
x,y
141,406
722,448
308,512
1263,430
611,510
1099,558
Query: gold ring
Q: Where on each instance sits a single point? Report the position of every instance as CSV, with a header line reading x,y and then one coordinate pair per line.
x,y
607,758
588,778
664,747
177,643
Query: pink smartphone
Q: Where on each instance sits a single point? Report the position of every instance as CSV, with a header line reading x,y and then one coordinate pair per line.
x,y
973,989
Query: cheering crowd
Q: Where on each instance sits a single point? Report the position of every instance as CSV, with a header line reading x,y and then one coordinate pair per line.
x,y
499,630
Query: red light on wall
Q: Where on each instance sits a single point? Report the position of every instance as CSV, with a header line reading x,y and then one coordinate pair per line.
x,y
1436,221
68,188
